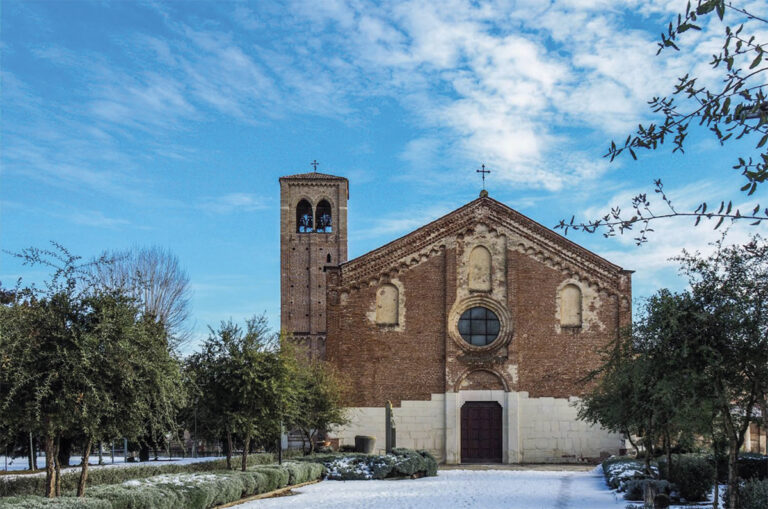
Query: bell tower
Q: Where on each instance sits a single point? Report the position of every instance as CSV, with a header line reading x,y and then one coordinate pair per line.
x,y
313,234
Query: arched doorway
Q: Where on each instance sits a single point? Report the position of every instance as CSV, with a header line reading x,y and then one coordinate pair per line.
x,y
481,432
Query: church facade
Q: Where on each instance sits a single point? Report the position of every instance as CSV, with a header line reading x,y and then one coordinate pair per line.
x,y
479,327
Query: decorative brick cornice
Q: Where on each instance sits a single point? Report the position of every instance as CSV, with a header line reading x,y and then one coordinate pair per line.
x,y
535,240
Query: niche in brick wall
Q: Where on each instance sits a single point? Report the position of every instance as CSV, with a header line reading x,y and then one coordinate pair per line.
x,y
480,269
570,306
387,304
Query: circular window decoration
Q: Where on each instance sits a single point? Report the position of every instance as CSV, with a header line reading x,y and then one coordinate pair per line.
x,y
479,326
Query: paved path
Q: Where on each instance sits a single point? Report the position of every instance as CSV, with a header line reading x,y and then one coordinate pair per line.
x,y
457,489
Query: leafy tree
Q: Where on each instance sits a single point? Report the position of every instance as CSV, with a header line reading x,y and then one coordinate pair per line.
x,y
734,109
730,288
319,403
81,361
244,385
646,387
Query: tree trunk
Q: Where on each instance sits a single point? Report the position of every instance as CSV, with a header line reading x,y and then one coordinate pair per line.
x,y
50,472
633,444
101,453
668,451
733,454
716,501
144,452
246,444
57,457
648,452
84,471
229,450
31,455
65,451
649,496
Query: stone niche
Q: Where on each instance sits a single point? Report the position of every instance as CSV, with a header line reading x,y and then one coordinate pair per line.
x,y
387,304
480,269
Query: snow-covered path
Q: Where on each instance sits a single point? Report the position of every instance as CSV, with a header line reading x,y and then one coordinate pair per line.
x,y
455,489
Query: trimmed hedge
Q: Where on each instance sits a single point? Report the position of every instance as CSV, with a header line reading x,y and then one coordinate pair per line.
x,y
35,484
34,502
692,474
359,466
749,465
181,491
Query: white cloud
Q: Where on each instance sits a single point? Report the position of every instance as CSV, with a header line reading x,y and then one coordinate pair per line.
x,y
234,202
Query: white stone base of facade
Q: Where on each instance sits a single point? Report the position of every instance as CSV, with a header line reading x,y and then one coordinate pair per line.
x,y
534,430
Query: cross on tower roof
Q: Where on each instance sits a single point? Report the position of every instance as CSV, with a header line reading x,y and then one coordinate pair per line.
x,y
483,171
314,164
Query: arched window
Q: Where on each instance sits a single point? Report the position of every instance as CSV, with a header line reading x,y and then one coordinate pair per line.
x,y
570,306
328,258
323,216
304,217
480,269
387,305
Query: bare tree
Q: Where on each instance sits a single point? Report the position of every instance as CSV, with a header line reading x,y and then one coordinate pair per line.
x,y
154,277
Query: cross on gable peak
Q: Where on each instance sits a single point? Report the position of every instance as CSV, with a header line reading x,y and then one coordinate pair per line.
x,y
483,172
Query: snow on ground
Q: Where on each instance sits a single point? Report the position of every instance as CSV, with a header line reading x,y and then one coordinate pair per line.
x,y
19,464
487,489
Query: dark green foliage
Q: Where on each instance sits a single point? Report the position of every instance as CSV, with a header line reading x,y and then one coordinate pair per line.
x,y
752,466
749,465
33,484
636,488
752,494
692,474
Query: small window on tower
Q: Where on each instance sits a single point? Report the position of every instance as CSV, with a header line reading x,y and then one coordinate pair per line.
x,y
324,217
304,217
328,258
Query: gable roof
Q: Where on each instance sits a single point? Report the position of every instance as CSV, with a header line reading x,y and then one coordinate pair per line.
x,y
546,241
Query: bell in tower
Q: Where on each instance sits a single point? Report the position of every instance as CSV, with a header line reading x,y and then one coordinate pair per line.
x,y
313,234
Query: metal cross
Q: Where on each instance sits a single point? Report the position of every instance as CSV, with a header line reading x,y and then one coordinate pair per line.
x,y
314,164
483,171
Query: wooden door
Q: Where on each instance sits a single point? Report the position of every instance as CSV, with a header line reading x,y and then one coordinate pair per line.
x,y
481,433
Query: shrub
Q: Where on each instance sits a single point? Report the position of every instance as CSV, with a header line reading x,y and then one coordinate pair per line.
x,y
620,470
753,466
358,466
303,472
201,490
752,494
35,484
635,488
692,474
749,465
276,477
34,502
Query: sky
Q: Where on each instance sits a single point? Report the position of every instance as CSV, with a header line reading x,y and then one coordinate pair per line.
x,y
129,124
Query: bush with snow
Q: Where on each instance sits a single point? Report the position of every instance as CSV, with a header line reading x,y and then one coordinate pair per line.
x,y
35,484
359,467
201,490
618,471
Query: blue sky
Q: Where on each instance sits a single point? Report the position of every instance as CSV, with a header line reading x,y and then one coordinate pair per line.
x,y
149,123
